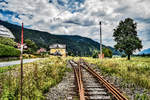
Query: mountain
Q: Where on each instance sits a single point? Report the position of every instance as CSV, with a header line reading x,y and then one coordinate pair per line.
x,y
75,44
145,51
114,51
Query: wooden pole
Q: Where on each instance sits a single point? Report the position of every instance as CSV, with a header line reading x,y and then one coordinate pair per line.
x,y
100,41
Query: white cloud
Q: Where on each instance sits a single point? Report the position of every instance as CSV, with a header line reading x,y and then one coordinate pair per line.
x,y
51,17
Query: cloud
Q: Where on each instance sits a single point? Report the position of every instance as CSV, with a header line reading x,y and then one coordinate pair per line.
x,y
79,17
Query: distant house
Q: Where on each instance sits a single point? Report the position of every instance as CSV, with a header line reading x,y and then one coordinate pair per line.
x,y
41,50
58,50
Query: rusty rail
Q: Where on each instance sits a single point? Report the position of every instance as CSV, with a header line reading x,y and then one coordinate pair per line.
x,y
109,87
78,76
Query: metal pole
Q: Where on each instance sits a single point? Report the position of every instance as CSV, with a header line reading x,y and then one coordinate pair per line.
x,y
100,41
21,58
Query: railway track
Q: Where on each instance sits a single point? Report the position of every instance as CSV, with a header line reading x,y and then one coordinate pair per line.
x,y
88,85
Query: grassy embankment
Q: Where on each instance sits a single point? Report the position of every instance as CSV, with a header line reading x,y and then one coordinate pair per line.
x,y
134,73
39,76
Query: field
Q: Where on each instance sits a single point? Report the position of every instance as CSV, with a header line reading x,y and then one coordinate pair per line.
x,y
134,74
39,76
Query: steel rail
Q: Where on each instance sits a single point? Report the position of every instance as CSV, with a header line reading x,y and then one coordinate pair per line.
x,y
82,97
78,75
110,88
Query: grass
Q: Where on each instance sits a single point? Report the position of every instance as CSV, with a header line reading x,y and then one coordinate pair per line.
x,y
134,73
5,69
39,76
43,74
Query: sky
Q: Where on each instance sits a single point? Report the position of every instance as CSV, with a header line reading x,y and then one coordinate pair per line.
x,y
79,17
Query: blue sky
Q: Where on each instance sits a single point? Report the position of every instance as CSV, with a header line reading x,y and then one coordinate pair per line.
x,y
79,17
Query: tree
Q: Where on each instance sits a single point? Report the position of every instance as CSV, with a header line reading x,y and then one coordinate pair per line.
x,y
32,47
106,51
95,54
126,37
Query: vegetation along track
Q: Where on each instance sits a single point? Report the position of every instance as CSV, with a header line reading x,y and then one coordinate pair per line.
x,y
90,85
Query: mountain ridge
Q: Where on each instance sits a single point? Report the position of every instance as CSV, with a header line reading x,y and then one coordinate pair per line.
x,y
145,51
76,44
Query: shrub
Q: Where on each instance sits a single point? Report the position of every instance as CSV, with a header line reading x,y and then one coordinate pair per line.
x,y
8,51
8,41
106,51
123,55
25,55
95,54
29,56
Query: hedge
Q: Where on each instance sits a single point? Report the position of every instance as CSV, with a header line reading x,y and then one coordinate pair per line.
x,y
8,51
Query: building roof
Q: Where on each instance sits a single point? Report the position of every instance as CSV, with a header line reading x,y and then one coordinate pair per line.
x,y
54,46
4,32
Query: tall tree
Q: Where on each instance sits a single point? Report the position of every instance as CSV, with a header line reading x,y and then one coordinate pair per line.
x,y
32,47
126,37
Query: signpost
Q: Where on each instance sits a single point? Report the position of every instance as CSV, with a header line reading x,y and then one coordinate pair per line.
x,y
21,59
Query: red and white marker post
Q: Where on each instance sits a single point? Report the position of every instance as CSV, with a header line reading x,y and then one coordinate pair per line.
x,y
21,59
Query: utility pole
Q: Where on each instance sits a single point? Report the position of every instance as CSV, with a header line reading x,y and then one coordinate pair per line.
x,y
100,40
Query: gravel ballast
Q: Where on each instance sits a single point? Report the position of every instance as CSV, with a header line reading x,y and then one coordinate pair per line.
x,y
61,90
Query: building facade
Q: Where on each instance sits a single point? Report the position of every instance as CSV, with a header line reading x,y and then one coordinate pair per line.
x,y
41,50
58,50
4,32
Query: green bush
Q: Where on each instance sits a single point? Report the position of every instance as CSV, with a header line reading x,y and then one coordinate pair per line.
x,y
106,51
95,54
123,55
8,41
8,51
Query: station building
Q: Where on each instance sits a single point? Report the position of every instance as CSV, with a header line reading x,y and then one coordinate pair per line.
x,y
58,49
